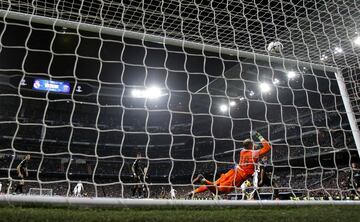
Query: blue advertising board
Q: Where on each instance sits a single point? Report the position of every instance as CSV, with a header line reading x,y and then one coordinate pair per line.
x,y
51,85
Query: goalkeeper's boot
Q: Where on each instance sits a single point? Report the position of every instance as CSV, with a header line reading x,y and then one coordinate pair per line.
x,y
200,178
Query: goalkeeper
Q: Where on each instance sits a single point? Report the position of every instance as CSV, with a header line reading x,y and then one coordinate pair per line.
x,y
227,182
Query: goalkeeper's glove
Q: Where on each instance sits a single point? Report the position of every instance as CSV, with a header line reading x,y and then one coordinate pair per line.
x,y
258,136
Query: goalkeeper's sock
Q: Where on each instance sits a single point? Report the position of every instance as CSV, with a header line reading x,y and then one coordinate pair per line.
x,y
204,181
201,189
207,182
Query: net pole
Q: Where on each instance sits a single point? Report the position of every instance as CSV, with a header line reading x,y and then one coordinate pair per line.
x,y
160,39
348,108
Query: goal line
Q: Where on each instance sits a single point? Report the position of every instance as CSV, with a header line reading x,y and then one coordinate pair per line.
x,y
120,202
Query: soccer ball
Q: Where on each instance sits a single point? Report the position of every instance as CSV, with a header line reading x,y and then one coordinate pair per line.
x,y
275,47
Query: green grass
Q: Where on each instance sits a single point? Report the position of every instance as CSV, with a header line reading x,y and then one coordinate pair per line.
x,y
248,214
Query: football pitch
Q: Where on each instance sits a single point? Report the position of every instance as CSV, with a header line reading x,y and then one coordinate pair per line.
x,y
183,214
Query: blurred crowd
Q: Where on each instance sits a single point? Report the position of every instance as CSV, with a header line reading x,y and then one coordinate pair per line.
x,y
316,184
94,149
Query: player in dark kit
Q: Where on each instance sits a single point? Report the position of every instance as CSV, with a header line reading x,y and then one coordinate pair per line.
x,y
22,167
138,169
8,187
354,179
20,187
22,170
264,177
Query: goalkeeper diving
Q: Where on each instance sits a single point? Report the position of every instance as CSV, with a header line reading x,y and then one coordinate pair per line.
x,y
227,182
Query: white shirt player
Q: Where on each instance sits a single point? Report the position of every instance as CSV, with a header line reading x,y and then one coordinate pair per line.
x,y
173,193
255,181
256,177
78,189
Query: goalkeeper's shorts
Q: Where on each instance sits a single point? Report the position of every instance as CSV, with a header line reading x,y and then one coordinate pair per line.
x,y
233,178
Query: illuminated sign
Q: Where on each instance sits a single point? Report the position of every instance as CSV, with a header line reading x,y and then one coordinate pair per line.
x,y
52,86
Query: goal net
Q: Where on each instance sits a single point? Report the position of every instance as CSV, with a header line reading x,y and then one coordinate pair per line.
x,y
40,192
88,88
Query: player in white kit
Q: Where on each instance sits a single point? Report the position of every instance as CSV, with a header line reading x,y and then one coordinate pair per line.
x,y
254,183
78,189
173,193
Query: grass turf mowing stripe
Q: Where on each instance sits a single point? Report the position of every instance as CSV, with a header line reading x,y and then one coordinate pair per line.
x,y
296,214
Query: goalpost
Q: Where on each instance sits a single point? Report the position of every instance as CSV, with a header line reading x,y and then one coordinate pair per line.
x,y
184,83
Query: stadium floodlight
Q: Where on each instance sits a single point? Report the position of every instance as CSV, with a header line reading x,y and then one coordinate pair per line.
x,y
265,87
150,93
338,50
276,81
232,103
223,108
153,92
324,58
252,93
137,93
357,40
241,98
291,74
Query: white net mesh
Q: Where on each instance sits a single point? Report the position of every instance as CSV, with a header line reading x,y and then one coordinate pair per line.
x,y
40,192
85,103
